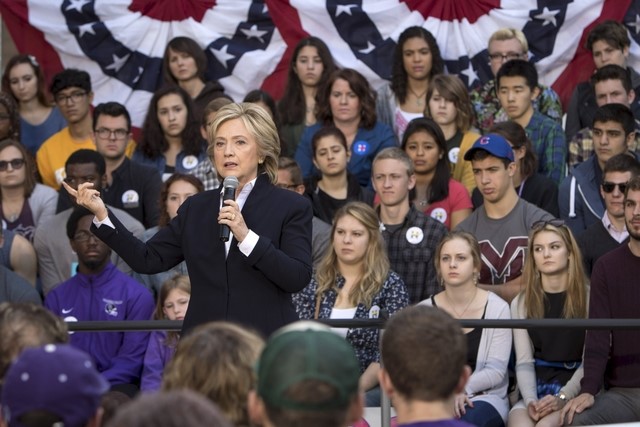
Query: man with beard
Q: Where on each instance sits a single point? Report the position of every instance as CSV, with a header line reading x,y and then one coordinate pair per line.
x,y
611,357
99,291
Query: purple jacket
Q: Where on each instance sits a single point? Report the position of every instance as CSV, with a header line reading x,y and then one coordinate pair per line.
x,y
156,358
108,295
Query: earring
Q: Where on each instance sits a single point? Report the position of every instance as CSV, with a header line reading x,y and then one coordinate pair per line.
x,y
475,279
442,282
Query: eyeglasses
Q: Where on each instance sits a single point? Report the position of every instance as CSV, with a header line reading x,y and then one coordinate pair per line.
x,y
104,133
15,164
608,187
543,223
74,97
84,236
4,117
499,57
75,181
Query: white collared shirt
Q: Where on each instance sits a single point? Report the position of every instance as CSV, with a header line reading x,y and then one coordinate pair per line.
x,y
249,242
618,236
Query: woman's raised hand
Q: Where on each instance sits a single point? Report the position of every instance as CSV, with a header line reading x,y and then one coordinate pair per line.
x,y
89,198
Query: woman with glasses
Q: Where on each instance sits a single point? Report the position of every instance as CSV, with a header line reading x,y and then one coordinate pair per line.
x,y
24,203
416,59
354,281
171,139
549,361
458,262
311,65
24,80
534,187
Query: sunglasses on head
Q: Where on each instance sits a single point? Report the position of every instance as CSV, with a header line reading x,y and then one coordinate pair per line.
x,y
608,187
543,223
15,164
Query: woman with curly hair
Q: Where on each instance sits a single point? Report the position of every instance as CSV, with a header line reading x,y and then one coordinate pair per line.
x,y
9,118
24,80
311,65
354,281
171,139
347,102
416,59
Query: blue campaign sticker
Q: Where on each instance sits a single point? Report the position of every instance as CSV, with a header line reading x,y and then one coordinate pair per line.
x,y
360,148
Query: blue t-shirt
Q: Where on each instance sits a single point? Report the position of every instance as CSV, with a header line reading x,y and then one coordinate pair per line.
x,y
33,136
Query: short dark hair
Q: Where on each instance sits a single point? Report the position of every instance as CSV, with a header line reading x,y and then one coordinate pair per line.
x,y
290,165
442,347
519,68
84,156
70,78
480,155
617,113
623,162
612,72
632,185
112,109
612,32
78,213
324,132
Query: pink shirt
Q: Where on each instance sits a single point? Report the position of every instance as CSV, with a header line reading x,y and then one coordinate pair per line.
x,y
458,199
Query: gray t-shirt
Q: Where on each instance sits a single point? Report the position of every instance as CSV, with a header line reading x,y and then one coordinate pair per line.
x,y
503,242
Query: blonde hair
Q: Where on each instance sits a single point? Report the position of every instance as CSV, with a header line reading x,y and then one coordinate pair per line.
x,y
217,359
260,125
575,305
376,263
180,282
508,34
465,236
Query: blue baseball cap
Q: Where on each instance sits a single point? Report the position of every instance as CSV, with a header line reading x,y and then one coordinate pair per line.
x,y
493,144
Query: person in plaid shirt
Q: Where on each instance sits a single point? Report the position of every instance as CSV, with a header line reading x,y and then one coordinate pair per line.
x,y
205,171
517,88
410,235
504,45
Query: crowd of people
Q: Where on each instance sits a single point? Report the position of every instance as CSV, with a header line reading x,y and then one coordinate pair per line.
x,y
247,221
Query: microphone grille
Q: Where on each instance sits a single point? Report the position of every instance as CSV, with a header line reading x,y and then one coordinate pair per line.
x,y
231,182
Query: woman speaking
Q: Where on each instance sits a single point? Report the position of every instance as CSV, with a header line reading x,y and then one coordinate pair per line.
x,y
249,278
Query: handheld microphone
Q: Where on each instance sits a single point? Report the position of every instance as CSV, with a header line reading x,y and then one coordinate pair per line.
x,y
229,186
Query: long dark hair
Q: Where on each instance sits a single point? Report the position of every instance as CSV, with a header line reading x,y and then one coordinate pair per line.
x,y
360,86
439,187
153,143
292,100
517,137
37,72
399,75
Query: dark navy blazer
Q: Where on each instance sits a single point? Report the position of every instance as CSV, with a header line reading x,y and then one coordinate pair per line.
x,y
254,290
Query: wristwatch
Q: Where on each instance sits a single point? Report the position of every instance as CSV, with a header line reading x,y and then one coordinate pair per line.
x,y
561,396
